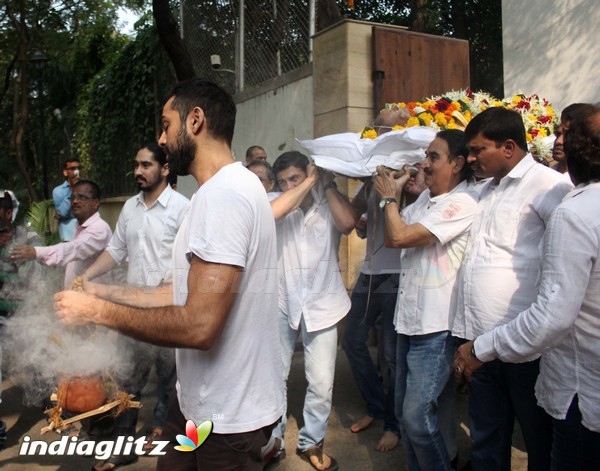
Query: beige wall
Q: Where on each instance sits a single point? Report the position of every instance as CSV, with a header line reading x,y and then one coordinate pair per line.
x,y
551,48
275,114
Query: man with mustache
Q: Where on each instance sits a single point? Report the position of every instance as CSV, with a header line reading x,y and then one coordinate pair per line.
x,y
558,152
91,237
144,236
221,310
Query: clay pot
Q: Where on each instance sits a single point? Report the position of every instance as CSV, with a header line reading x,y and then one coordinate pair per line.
x,y
80,394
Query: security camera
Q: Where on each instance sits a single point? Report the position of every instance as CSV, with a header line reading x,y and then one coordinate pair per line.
x,y
215,61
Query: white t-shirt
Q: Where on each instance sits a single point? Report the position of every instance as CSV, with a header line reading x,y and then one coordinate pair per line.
x,y
428,274
146,236
238,383
311,285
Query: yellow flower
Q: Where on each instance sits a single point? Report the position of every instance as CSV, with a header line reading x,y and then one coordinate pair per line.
x,y
529,137
413,121
451,124
425,118
397,127
440,120
368,134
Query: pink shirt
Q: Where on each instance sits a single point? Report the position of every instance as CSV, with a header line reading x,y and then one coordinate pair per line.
x,y
90,239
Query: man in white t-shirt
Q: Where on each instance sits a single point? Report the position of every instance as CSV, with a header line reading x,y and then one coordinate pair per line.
x,y
433,233
222,306
311,215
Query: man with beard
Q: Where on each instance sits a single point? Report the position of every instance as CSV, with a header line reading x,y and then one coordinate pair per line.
x,y
144,236
222,306
91,237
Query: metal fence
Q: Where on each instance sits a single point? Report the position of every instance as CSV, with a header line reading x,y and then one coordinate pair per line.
x,y
255,40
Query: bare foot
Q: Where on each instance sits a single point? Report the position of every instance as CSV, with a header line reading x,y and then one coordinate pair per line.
x,y
387,442
318,465
362,424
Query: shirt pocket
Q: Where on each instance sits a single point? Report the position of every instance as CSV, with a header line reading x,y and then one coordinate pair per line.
x,y
504,226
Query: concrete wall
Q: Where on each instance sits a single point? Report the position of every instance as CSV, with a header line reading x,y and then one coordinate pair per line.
x,y
551,48
275,114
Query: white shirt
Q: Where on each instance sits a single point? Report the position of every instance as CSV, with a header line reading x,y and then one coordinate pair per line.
x,y
146,235
238,383
310,281
428,273
77,255
564,322
497,279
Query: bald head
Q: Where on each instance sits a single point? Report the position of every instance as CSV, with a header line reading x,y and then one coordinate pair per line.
x,y
388,118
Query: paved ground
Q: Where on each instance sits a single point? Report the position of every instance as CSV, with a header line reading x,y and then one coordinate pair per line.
x,y
354,452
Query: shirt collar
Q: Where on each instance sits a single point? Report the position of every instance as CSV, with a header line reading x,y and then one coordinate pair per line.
x,y
163,199
93,218
519,170
581,188
460,187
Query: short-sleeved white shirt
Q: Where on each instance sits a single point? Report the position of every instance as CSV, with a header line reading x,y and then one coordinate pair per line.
x,y
238,383
428,273
497,279
146,235
311,285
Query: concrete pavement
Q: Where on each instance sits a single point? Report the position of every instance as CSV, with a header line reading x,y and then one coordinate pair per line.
x,y
354,452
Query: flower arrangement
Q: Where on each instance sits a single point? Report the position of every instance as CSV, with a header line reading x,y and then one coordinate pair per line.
x,y
454,110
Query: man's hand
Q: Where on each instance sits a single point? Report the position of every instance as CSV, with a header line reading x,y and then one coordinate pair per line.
x,y
390,185
326,177
73,308
22,253
464,362
312,173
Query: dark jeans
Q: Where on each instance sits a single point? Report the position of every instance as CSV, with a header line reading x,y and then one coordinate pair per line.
x,y
143,356
499,392
574,447
223,452
360,320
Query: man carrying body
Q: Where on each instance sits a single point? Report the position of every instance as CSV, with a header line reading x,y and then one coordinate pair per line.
x,y
433,232
229,365
498,280
311,215
144,235
62,199
374,297
91,237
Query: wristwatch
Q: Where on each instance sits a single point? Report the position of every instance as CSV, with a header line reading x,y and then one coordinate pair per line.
x,y
331,184
385,201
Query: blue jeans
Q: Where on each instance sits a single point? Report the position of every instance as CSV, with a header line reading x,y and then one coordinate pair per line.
x,y
360,320
499,392
320,350
425,399
574,447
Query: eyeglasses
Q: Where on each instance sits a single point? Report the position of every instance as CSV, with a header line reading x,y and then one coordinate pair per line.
x,y
76,197
72,169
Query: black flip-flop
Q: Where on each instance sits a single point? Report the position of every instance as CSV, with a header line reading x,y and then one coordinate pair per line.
x,y
114,462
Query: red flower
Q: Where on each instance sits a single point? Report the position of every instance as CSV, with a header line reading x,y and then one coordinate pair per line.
x,y
534,133
523,105
544,119
442,105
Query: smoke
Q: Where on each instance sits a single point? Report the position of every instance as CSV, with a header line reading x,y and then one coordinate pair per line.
x,y
39,351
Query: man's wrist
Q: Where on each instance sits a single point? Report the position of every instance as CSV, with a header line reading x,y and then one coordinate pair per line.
x,y
329,186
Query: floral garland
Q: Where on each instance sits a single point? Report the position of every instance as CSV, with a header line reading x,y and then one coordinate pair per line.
x,y
454,110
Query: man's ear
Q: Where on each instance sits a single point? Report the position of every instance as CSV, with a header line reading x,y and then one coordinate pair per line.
x,y
165,170
459,163
508,148
196,120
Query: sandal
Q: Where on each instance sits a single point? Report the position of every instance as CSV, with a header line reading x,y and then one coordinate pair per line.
x,y
274,455
316,451
114,462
